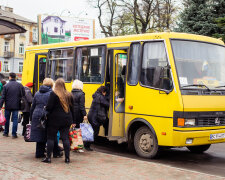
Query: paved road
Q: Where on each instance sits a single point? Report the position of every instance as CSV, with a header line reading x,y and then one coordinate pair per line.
x,y
210,162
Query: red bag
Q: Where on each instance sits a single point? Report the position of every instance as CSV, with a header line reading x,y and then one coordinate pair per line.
x,y
75,137
2,118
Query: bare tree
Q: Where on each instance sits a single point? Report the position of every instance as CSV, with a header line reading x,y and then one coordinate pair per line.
x,y
119,17
107,15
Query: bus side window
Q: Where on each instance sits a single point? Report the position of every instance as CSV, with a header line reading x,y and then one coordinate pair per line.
x,y
60,64
155,71
90,64
134,64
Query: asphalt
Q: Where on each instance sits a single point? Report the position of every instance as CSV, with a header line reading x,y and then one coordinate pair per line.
x,y
17,161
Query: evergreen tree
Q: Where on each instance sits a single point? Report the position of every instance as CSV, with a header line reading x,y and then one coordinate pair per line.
x,y
218,9
197,18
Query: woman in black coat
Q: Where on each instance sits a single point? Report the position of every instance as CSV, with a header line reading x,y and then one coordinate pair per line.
x,y
60,118
28,101
100,105
40,100
78,102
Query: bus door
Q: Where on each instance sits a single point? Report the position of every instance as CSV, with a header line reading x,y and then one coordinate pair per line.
x,y
117,93
39,70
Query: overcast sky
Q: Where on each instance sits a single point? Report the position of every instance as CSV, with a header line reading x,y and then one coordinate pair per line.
x,y
72,8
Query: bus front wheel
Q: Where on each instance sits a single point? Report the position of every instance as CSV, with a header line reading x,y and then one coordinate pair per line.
x,y
145,143
199,149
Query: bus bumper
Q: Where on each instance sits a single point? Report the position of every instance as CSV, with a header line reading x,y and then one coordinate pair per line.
x,y
194,138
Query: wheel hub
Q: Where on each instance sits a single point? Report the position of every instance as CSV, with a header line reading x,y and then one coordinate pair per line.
x,y
146,143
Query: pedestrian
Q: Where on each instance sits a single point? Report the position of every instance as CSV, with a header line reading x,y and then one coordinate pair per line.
x,y
97,114
78,104
39,135
2,83
28,100
11,96
60,118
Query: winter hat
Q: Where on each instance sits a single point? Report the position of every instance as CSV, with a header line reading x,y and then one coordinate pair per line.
x,y
30,84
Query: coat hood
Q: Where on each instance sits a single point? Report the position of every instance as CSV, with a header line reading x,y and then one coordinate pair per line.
x,y
44,89
77,90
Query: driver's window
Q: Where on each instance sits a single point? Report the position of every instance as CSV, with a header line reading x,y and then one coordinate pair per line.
x,y
121,63
155,70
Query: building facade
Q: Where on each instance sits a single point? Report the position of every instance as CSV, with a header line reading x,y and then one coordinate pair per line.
x,y
12,46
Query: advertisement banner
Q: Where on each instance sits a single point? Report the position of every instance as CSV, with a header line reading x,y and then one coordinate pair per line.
x,y
54,29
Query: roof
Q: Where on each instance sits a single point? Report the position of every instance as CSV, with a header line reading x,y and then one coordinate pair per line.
x,y
131,38
7,27
57,17
11,16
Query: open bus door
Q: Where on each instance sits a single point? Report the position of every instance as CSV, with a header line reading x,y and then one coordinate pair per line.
x,y
39,70
117,62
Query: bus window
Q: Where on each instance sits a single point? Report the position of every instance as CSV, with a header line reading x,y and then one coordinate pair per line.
x,y
121,62
42,67
155,70
90,66
134,64
60,64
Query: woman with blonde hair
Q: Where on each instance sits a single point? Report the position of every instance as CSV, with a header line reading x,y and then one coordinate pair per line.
x,y
37,109
60,118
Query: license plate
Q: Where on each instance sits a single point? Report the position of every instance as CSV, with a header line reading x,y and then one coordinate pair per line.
x,y
217,136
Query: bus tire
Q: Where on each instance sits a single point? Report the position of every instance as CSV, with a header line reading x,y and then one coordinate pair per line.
x,y
199,149
145,143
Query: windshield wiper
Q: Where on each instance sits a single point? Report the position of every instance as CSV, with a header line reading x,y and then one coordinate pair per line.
x,y
197,85
220,86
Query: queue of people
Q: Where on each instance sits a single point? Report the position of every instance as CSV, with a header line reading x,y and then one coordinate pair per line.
x,y
63,109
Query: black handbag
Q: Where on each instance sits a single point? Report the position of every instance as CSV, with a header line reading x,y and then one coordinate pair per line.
x,y
22,101
43,120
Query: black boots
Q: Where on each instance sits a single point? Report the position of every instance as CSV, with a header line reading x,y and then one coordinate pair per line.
x,y
46,160
67,160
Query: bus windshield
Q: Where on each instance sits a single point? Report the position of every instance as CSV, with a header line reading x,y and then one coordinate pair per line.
x,y
199,63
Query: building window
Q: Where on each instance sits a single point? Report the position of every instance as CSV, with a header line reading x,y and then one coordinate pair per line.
x,y
6,46
35,34
21,49
6,66
20,67
56,29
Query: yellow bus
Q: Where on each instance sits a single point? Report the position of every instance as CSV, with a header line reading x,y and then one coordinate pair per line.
x,y
166,89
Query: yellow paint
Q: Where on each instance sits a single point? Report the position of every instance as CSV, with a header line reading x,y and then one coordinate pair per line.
x,y
148,104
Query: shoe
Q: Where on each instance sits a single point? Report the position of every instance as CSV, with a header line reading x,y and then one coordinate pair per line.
x,y
67,160
1,129
46,160
42,156
6,135
88,149
14,136
61,148
58,155
80,151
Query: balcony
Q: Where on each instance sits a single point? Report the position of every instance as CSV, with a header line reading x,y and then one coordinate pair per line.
x,y
8,36
8,54
34,40
22,35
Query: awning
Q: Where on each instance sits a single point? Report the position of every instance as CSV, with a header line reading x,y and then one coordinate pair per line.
x,y
7,27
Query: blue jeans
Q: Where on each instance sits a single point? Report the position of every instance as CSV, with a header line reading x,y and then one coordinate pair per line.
x,y
14,119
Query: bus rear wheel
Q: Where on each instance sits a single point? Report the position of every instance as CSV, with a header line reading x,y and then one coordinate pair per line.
x,y
145,143
199,149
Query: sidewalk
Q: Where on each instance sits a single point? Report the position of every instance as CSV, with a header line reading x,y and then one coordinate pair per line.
x,y
17,162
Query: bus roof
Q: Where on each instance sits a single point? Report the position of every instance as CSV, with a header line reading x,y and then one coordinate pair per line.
x,y
129,38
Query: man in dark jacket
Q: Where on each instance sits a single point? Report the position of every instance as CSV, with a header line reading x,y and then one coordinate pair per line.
x,y
11,96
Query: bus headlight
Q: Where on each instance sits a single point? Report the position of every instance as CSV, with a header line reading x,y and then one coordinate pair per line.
x,y
189,122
